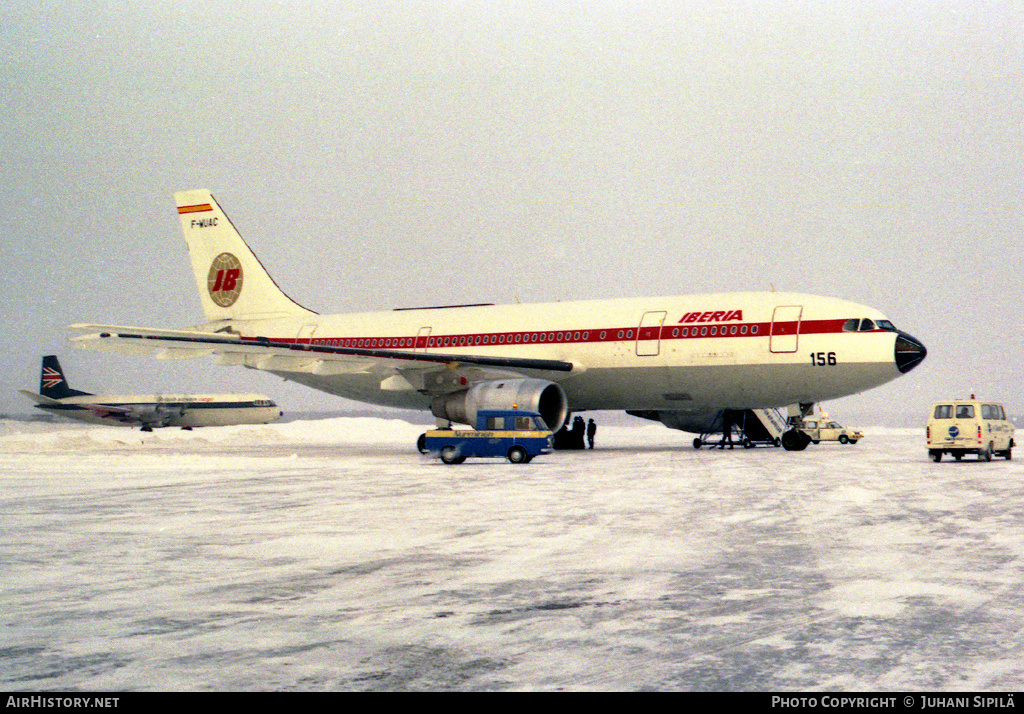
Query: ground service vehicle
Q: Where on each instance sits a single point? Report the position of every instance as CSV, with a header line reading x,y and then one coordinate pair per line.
x,y
969,426
514,434
828,430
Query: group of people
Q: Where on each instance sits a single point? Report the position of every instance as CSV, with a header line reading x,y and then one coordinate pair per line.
x,y
566,438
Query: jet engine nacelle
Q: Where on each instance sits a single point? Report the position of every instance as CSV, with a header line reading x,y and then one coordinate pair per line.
x,y
535,395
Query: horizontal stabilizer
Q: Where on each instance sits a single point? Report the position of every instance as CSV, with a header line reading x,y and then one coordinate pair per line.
x,y
152,332
39,398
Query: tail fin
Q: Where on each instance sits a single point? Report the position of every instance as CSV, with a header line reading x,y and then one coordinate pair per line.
x,y
232,282
52,382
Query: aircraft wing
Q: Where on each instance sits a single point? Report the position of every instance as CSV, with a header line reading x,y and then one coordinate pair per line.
x,y
142,415
125,415
279,355
105,411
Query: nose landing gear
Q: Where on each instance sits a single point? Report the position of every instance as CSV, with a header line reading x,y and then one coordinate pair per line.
x,y
795,440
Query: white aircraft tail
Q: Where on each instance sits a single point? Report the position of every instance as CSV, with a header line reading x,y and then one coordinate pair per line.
x,y
233,284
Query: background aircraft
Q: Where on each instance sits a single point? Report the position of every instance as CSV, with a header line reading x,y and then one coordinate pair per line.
x,y
681,360
150,410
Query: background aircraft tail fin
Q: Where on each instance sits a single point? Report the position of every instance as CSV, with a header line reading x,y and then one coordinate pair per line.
x,y
52,382
233,284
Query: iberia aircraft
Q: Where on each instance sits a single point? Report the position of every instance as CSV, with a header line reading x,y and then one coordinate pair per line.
x,y
147,410
681,360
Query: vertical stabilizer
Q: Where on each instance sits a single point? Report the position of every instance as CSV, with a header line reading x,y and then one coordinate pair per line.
x,y
52,382
233,284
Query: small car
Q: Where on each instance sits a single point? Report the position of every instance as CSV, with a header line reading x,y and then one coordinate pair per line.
x,y
828,430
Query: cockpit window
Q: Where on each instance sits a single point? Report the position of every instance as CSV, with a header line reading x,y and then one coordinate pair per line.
x,y
856,324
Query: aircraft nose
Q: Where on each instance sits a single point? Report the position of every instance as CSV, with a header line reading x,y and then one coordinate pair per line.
x,y
909,352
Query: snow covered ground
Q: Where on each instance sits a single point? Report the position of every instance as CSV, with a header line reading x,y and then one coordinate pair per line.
x,y
328,554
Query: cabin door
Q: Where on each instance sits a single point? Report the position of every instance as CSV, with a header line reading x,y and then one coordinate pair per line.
x,y
785,328
306,333
422,338
648,336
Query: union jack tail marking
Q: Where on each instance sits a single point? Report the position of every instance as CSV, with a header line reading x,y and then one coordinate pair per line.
x,y
51,377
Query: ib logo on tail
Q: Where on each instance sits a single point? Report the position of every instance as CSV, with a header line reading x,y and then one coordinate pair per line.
x,y
224,280
223,264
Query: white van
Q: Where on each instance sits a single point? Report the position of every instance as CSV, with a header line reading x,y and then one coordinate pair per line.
x,y
969,426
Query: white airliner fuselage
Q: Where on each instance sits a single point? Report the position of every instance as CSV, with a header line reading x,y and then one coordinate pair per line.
x,y
148,410
689,353
158,410
680,359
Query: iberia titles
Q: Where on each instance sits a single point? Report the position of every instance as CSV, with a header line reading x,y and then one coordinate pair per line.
x,y
712,316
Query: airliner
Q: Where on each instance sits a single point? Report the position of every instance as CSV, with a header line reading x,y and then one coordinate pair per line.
x,y
681,360
147,410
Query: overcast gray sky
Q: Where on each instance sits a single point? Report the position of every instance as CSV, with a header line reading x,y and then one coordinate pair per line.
x,y
388,154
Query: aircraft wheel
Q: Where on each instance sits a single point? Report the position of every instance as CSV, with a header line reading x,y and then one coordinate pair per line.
x,y
450,455
794,440
518,455
748,444
697,443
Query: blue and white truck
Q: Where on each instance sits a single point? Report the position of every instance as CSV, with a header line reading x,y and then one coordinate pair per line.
x,y
510,433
